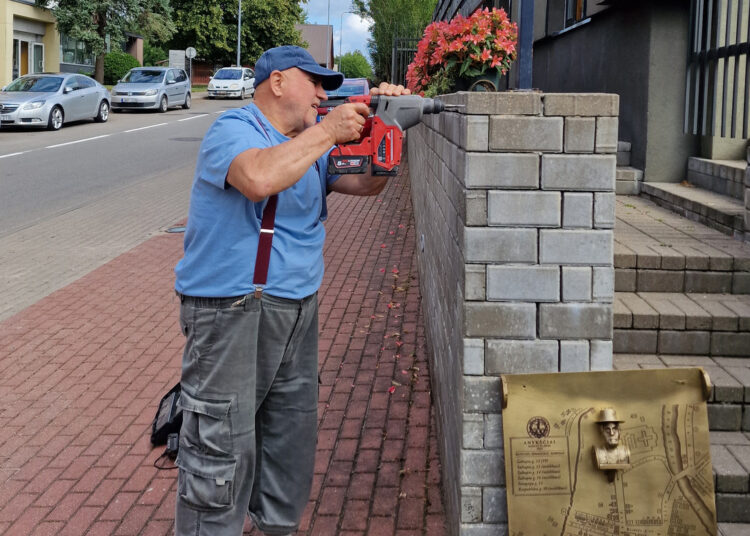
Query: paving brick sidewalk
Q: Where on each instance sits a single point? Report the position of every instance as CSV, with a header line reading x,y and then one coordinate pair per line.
x,y
81,372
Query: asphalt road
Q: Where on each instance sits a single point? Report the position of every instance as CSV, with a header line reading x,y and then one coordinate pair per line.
x,y
44,174
74,199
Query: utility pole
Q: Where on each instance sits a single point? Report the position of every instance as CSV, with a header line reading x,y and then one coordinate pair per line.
x,y
328,37
239,32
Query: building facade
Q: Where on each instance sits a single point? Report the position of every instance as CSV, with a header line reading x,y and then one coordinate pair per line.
x,y
319,39
29,41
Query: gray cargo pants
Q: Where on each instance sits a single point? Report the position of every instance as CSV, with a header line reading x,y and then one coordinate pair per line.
x,y
249,401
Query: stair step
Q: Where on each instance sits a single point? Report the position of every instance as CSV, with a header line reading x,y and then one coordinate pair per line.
x,y
656,250
723,213
730,457
726,177
682,311
735,529
729,406
627,179
682,324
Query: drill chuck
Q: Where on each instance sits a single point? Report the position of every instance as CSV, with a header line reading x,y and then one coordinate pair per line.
x,y
432,106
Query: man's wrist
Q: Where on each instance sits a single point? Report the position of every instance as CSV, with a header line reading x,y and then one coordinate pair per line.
x,y
330,135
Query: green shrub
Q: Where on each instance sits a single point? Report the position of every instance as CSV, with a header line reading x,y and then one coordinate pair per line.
x,y
116,64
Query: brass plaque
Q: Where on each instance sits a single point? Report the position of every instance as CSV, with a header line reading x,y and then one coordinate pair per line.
x,y
658,480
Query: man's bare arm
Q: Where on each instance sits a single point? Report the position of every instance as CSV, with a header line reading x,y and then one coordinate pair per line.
x,y
259,173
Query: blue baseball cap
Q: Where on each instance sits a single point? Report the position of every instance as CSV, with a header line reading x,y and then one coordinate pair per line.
x,y
288,56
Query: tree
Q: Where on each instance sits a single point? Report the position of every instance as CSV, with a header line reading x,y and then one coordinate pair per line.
x,y
354,65
153,53
392,18
95,21
211,27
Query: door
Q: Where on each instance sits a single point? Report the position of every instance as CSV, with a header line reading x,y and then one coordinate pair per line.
x,y
72,101
37,57
89,96
169,86
24,63
184,82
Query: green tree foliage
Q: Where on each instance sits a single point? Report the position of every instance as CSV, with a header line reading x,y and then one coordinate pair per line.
x,y
116,64
153,53
211,27
93,21
354,65
392,18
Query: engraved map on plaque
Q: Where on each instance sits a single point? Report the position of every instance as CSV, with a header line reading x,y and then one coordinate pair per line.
x,y
550,431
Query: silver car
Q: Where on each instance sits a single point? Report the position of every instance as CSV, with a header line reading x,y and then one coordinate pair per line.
x,y
155,88
232,82
49,100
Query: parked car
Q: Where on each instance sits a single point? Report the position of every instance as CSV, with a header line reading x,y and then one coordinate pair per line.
x,y
232,82
157,88
351,87
49,100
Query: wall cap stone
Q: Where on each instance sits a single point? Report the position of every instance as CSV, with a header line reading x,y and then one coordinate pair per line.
x,y
500,103
581,104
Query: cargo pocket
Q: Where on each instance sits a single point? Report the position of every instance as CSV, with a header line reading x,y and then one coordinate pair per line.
x,y
207,424
206,483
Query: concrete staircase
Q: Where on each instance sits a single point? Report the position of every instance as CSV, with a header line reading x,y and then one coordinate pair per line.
x,y
628,179
683,299
713,194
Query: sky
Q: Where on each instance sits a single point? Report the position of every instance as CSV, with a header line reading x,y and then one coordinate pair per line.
x,y
355,30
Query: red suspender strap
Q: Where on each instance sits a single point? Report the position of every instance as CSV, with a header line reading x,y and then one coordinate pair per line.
x,y
263,256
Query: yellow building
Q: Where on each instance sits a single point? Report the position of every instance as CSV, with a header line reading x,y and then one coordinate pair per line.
x,y
29,41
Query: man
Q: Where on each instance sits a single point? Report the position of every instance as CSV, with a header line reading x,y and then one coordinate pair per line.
x,y
249,370
613,455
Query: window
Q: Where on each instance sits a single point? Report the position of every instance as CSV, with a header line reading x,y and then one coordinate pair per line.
x,y
143,76
170,76
84,81
71,84
74,51
574,11
181,76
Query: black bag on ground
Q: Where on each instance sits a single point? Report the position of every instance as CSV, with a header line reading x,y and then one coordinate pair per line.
x,y
168,419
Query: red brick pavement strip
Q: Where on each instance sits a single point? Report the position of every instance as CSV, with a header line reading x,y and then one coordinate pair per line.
x,y
82,370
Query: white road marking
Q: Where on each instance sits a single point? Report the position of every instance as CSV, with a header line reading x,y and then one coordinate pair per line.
x,y
106,135
194,117
12,154
144,128
77,141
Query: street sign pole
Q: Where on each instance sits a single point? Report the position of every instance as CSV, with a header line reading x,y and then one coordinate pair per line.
x,y
190,53
239,30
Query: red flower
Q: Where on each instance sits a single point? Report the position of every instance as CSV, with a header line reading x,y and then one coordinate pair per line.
x,y
447,48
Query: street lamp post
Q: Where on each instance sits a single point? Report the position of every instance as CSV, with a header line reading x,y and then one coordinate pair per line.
x,y
329,37
239,32
341,37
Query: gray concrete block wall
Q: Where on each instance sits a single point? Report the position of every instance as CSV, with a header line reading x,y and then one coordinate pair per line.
x,y
747,199
514,204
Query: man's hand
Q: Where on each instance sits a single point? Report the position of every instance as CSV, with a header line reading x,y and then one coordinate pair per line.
x,y
345,123
389,89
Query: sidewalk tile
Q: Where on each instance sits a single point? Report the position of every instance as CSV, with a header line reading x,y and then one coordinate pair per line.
x,y
82,370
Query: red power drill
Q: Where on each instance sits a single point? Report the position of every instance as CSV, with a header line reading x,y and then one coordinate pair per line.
x,y
380,143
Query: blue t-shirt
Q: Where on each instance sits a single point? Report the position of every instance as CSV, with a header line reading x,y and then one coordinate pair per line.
x,y
221,239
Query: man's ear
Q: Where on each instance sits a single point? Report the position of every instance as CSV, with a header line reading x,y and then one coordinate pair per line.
x,y
278,81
